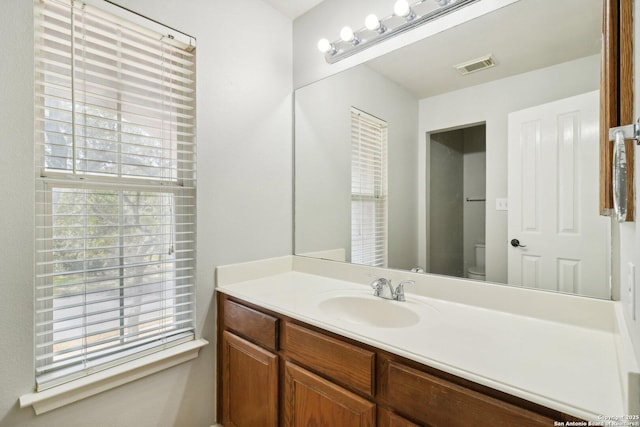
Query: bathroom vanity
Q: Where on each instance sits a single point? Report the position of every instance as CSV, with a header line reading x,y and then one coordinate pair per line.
x,y
304,342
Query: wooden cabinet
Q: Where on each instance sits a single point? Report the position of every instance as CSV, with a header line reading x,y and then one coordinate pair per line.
x,y
441,403
256,326
276,371
310,400
248,367
386,418
344,363
249,384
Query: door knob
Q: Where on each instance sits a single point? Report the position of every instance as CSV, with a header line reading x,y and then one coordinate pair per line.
x,y
516,244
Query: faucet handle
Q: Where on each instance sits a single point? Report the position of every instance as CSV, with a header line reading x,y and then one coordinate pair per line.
x,y
378,284
400,289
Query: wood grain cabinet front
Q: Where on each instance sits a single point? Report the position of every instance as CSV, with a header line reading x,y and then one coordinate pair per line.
x,y
387,418
441,403
277,371
254,325
249,383
344,363
310,400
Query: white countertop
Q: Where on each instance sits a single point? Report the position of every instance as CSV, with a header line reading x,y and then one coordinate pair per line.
x,y
564,363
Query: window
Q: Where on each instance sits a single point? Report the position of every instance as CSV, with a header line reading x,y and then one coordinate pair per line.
x,y
368,189
115,190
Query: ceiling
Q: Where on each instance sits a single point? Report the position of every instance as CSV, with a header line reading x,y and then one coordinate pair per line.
x,y
526,35
293,8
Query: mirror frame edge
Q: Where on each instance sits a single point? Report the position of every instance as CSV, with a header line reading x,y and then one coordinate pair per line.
x,y
616,96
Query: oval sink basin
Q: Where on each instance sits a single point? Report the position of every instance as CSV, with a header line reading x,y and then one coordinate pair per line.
x,y
369,310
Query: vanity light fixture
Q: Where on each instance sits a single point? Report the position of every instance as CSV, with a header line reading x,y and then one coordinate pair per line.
x,y
405,17
347,35
372,23
325,46
401,8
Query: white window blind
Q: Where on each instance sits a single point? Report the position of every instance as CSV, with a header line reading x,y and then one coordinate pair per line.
x,y
115,190
368,189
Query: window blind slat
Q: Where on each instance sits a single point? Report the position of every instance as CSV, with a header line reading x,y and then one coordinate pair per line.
x,y
368,190
152,68
130,104
72,305
134,311
69,357
115,197
181,334
69,312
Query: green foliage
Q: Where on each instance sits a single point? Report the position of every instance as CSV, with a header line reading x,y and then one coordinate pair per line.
x,y
116,237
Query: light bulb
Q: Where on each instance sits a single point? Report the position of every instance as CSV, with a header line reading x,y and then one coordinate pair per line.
x,y
402,8
346,34
372,23
325,46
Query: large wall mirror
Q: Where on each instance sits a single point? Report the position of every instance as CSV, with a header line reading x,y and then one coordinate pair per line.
x,y
406,162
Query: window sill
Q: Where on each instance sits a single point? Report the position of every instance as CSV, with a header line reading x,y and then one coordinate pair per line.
x,y
93,384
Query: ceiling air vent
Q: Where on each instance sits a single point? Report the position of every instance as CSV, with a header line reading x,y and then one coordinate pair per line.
x,y
477,64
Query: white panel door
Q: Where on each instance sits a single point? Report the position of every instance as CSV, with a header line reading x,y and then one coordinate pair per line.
x,y
553,199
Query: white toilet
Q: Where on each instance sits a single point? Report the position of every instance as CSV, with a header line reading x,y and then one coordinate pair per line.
x,y
477,271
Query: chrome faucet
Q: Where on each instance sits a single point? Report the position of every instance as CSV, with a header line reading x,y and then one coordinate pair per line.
x,y
384,289
400,289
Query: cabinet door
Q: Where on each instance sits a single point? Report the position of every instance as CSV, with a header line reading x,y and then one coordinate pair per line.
x,y
387,418
249,384
311,400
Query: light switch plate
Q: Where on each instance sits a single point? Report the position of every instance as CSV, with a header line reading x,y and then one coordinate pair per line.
x,y
502,204
631,289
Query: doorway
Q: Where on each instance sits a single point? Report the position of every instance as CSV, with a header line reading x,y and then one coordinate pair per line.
x,y
456,182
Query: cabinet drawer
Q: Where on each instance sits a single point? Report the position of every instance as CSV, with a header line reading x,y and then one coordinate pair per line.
x,y
386,418
347,364
440,403
258,327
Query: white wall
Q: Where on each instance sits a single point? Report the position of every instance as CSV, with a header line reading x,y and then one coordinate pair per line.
x,y
323,161
475,172
244,197
446,207
490,103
